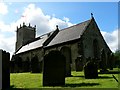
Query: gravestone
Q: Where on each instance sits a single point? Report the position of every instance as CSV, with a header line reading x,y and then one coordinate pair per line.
x,y
4,70
90,70
54,69
79,63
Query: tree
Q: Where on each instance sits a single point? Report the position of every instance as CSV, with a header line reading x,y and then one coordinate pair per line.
x,y
117,58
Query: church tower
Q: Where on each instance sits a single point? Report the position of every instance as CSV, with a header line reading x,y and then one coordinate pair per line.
x,y
24,34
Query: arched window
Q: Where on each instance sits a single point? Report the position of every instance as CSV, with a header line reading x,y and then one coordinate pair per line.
x,y
95,48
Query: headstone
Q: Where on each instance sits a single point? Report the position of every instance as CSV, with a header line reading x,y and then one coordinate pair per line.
x,y
4,70
79,63
90,70
54,69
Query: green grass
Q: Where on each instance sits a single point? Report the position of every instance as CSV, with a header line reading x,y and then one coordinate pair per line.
x,y
30,80
26,80
103,81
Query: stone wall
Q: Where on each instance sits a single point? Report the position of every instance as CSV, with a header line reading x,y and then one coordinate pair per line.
x,y
90,35
28,56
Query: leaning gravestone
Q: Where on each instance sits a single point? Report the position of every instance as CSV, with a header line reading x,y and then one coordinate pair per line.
x,y
54,69
4,70
90,70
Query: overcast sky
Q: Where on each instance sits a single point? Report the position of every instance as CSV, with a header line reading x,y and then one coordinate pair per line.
x,y
47,15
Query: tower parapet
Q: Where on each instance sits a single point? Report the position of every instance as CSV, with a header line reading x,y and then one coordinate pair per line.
x,y
24,25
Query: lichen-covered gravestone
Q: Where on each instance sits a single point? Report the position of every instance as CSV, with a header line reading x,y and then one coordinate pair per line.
x,y
54,69
4,70
90,70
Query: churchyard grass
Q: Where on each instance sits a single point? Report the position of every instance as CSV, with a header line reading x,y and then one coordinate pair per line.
x,y
31,80
26,80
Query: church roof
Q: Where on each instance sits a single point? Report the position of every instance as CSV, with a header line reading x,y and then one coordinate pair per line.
x,y
33,45
69,34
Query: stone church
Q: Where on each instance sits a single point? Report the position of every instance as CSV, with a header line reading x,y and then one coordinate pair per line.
x,y
77,43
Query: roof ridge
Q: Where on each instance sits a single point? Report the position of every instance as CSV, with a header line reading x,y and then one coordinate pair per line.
x,y
75,25
46,33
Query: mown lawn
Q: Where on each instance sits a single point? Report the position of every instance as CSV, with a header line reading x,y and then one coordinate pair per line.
x,y
30,80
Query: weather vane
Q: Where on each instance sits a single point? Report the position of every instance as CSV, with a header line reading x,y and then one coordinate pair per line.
x,y
91,14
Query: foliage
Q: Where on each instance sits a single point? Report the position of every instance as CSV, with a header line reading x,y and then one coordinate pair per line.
x,y
117,58
30,80
117,54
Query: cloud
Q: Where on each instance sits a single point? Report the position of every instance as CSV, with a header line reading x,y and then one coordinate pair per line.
x,y
7,37
16,11
44,23
112,39
3,8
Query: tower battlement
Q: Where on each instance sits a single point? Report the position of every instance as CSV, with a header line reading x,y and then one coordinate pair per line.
x,y
25,26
